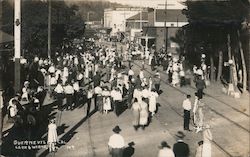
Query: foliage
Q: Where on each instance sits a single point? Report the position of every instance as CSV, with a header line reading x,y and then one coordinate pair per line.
x,y
217,12
7,17
95,9
209,24
65,21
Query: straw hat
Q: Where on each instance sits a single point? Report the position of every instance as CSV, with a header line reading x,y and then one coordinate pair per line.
x,y
180,134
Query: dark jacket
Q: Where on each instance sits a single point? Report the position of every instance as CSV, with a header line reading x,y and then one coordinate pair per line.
x,y
181,149
200,84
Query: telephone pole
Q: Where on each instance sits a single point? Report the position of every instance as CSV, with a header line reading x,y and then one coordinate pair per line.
x,y
1,81
49,30
17,43
166,28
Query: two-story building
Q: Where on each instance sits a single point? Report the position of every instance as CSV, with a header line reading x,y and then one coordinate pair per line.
x,y
163,23
116,18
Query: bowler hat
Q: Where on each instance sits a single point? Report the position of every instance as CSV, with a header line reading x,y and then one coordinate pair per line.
x,y
116,129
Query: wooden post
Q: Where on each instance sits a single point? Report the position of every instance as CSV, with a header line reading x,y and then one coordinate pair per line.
x,y
244,69
229,56
212,76
166,28
49,30
17,43
1,82
220,64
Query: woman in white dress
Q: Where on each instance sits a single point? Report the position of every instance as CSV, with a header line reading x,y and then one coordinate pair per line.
x,y
150,82
207,138
151,55
152,102
143,121
136,108
25,91
175,78
195,108
106,100
52,136
199,117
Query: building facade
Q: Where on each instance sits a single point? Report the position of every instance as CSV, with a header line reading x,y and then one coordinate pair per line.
x,y
163,24
116,18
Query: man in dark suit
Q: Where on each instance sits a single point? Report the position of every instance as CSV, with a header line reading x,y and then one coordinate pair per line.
x,y
200,85
180,148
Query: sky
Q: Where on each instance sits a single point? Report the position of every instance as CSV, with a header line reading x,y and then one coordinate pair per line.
x,y
147,3
143,3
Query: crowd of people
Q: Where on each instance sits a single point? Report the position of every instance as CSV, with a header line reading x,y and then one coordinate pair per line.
x,y
100,74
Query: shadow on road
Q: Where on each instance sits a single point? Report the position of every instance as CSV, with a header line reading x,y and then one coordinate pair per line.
x,y
68,136
130,150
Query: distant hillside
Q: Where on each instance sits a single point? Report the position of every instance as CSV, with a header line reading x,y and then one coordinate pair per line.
x,y
95,8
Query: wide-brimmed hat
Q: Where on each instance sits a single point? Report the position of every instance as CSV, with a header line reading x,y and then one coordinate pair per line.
x,y
117,129
163,144
180,134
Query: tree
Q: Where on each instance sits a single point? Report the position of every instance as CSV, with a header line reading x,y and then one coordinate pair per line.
x,y
65,18
210,22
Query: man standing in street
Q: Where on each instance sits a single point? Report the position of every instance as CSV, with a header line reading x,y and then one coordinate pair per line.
x,y
200,85
117,100
187,107
180,148
116,143
69,91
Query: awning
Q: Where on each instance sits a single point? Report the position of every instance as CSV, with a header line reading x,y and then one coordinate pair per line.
x,y
4,37
146,37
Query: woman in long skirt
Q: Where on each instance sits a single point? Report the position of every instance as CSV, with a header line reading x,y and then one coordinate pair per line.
x,y
195,108
152,102
52,136
199,117
106,104
136,113
143,121
207,138
106,100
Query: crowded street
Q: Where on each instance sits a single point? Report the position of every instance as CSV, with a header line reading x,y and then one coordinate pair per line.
x,y
101,90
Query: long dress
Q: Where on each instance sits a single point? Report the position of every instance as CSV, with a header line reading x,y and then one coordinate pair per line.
x,y
200,117
52,134
138,95
207,148
175,78
152,101
136,113
195,108
106,103
143,113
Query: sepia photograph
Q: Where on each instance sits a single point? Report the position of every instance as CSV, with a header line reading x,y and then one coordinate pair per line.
x,y
124,78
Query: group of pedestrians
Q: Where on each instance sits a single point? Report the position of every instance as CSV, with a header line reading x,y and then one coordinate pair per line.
x,y
99,76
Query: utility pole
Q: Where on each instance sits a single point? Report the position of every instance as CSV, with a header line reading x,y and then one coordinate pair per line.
x,y
140,22
17,43
165,29
49,30
1,81
140,16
